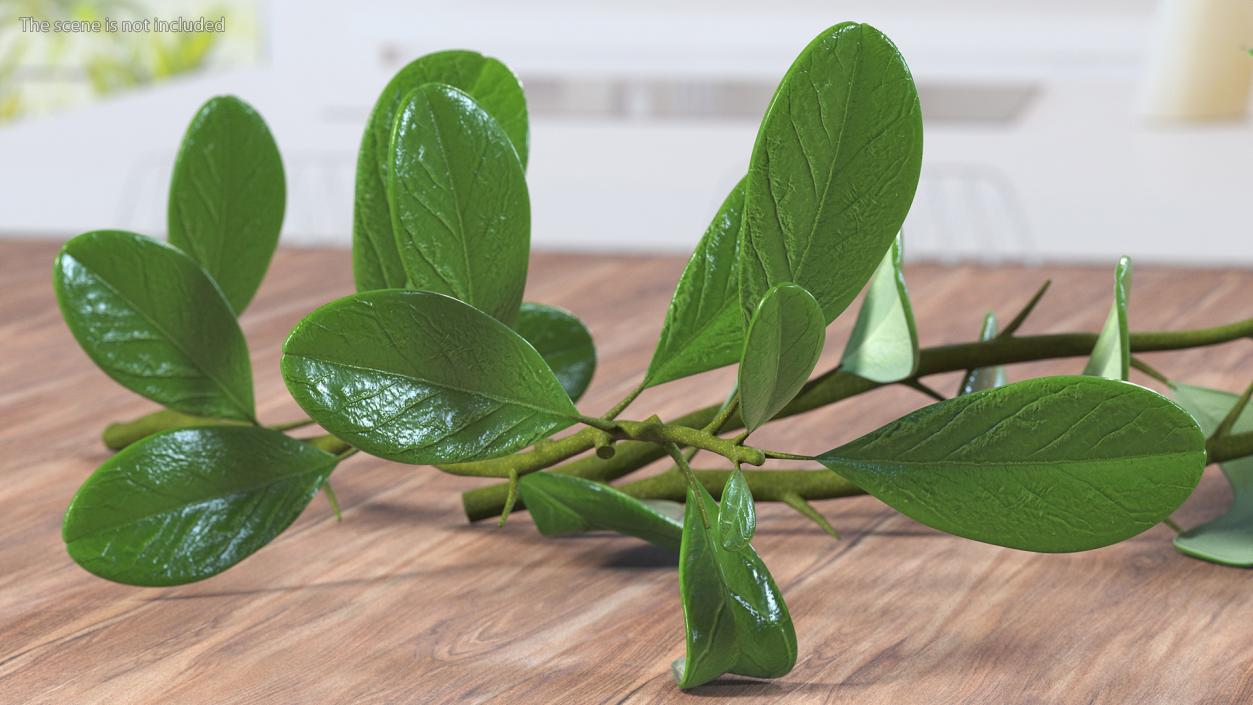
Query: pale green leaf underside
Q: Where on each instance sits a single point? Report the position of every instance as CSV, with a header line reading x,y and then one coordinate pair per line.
x,y
704,329
154,321
460,210
564,343
1227,539
984,377
1051,464
564,504
1111,357
782,346
737,516
184,505
734,615
422,378
833,171
375,260
227,196
883,346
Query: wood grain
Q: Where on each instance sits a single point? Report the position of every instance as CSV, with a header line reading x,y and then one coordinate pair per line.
x,y
405,602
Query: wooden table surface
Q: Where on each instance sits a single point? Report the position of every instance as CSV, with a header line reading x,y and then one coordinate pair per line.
x,y
405,602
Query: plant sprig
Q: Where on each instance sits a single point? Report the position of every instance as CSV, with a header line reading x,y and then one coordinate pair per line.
x,y
436,360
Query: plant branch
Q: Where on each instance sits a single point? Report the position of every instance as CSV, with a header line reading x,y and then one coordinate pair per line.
x,y
834,386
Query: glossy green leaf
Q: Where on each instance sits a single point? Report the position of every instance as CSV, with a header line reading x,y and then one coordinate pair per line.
x,y
883,346
185,505
833,171
1112,355
422,378
564,343
1227,539
704,329
781,348
1051,464
155,322
564,504
735,617
460,210
737,516
227,196
984,377
375,260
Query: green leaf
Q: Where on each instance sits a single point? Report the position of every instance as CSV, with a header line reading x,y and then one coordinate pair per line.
x,y
422,378
734,616
883,346
1051,464
375,260
1227,539
704,329
781,348
982,378
1112,355
227,196
185,505
564,343
833,171
155,322
460,210
737,517
564,504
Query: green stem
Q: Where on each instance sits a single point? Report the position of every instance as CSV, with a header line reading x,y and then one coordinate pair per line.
x,y
1229,447
828,388
689,477
117,436
766,485
622,405
291,425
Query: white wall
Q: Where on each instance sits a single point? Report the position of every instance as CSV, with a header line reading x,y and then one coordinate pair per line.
x,y
1075,175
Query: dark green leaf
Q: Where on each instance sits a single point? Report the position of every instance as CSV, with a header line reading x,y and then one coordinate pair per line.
x,y
227,196
1112,355
1050,464
565,504
704,329
782,346
422,378
883,346
459,204
737,517
375,260
564,343
185,505
833,171
735,617
155,322
984,377
1227,539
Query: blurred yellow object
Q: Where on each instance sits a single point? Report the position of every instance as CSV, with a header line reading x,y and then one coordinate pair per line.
x,y
1199,66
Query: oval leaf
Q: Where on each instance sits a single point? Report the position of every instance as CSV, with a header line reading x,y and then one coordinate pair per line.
x,y
227,196
155,322
565,504
421,378
1111,357
737,517
782,347
1227,539
833,171
883,346
185,505
1051,464
704,329
733,613
984,377
564,343
375,259
460,211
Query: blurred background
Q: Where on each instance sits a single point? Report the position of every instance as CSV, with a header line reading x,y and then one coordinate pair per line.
x,y
1059,131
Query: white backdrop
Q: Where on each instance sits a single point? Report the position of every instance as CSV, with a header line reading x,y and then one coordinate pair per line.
x,y
645,113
